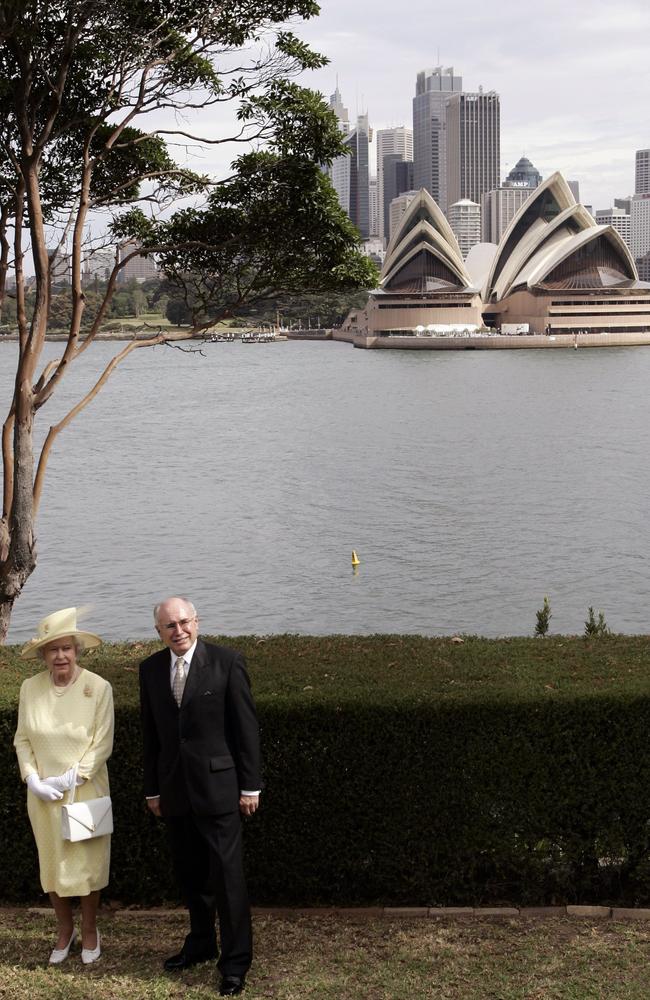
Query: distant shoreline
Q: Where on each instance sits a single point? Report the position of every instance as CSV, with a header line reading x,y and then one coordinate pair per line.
x,y
174,333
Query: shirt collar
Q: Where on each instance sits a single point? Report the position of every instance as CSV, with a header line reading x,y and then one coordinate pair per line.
x,y
187,657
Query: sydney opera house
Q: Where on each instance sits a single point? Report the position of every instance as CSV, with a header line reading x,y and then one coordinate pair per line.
x,y
555,279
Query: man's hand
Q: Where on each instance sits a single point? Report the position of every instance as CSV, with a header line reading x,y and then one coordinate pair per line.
x,y
154,806
248,804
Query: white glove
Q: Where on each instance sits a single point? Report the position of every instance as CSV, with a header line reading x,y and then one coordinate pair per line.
x,y
64,782
43,791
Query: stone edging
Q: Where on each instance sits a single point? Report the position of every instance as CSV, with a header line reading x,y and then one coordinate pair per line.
x,y
399,912
437,912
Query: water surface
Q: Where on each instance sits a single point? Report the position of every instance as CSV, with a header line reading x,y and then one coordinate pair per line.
x,y
470,484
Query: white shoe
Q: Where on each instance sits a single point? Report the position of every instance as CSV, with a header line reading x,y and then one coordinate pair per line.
x,y
60,954
89,955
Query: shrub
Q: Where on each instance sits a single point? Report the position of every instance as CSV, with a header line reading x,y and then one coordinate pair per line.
x,y
403,770
596,628
543,618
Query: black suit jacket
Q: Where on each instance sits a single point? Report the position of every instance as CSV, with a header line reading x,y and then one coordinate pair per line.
x,y
199,756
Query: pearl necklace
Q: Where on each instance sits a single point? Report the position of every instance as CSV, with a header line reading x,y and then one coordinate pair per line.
x,y
60,689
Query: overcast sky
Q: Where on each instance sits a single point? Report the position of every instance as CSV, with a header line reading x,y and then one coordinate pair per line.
x,y
573,75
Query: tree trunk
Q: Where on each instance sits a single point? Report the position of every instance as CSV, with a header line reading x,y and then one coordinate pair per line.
x,y
17,547
6,607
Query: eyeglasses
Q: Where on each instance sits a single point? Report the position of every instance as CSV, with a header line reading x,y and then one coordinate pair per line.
x,y
182,623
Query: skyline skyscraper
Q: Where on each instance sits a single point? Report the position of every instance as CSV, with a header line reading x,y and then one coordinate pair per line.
x,y
642,172
433,89
640,225
373,208
341,112
398,144
473,145
349,173
498,209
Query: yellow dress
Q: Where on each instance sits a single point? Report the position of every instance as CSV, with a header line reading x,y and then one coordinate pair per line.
x,y
59,727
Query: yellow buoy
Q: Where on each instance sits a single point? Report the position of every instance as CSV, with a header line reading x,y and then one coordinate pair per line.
x,y
355,558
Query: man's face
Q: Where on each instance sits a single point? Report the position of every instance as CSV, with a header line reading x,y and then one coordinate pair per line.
x,y
177,625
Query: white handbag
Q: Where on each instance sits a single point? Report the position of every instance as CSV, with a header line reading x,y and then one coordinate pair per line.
x,y
84,820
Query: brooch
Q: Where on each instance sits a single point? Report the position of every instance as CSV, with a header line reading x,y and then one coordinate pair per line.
x,y
88,691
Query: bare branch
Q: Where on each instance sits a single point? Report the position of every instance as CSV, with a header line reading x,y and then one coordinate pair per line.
x,y
56,429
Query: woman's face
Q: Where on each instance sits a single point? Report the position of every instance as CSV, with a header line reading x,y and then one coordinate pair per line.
x,y
60,657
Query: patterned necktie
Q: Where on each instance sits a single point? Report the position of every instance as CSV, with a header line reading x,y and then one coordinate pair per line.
x,y
179,680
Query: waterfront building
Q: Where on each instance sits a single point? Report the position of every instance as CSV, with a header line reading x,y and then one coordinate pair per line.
x,y
642,172
619,220
558,272
432,90
394,145
465,220
473,146
424,284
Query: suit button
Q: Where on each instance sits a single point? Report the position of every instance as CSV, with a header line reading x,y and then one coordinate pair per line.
x,y
183,740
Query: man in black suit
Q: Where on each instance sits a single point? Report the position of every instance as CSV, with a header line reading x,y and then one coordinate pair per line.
x,y
201,771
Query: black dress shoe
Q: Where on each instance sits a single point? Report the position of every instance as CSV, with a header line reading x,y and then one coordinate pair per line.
x,y
175,963
231,986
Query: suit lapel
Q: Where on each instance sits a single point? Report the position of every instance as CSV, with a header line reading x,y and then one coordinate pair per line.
x,y
196,678
162,686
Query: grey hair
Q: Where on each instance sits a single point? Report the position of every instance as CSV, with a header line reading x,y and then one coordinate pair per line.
x,y
158,606
77,641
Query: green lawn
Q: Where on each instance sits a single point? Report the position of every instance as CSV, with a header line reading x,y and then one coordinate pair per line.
x,y
341,958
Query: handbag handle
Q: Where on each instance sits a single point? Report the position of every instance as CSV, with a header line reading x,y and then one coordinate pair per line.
x,y
74,785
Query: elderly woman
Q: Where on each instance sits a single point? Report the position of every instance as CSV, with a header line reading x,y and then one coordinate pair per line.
x,y
63,740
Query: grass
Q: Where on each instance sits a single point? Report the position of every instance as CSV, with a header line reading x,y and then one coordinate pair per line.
x,y
340,958
346,668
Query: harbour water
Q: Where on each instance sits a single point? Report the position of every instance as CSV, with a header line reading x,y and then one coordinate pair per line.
x,y
470,485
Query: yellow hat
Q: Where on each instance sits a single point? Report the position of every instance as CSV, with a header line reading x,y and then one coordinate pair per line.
x,y
56,626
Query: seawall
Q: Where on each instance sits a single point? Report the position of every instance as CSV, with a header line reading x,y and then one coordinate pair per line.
x,y
497,342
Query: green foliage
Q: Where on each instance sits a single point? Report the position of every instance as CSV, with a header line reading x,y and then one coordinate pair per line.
x,y
404,770
178,312
298,122
543,618
325,310
596,628
290,233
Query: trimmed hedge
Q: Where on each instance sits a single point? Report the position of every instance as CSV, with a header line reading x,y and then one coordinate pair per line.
x,y
403,770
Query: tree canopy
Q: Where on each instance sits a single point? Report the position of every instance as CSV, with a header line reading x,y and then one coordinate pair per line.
x,y
96,100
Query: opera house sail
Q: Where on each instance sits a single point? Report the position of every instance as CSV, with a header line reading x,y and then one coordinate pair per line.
x,y
424,284
561,273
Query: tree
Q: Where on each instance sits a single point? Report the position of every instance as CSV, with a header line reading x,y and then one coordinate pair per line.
x,y
81,82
